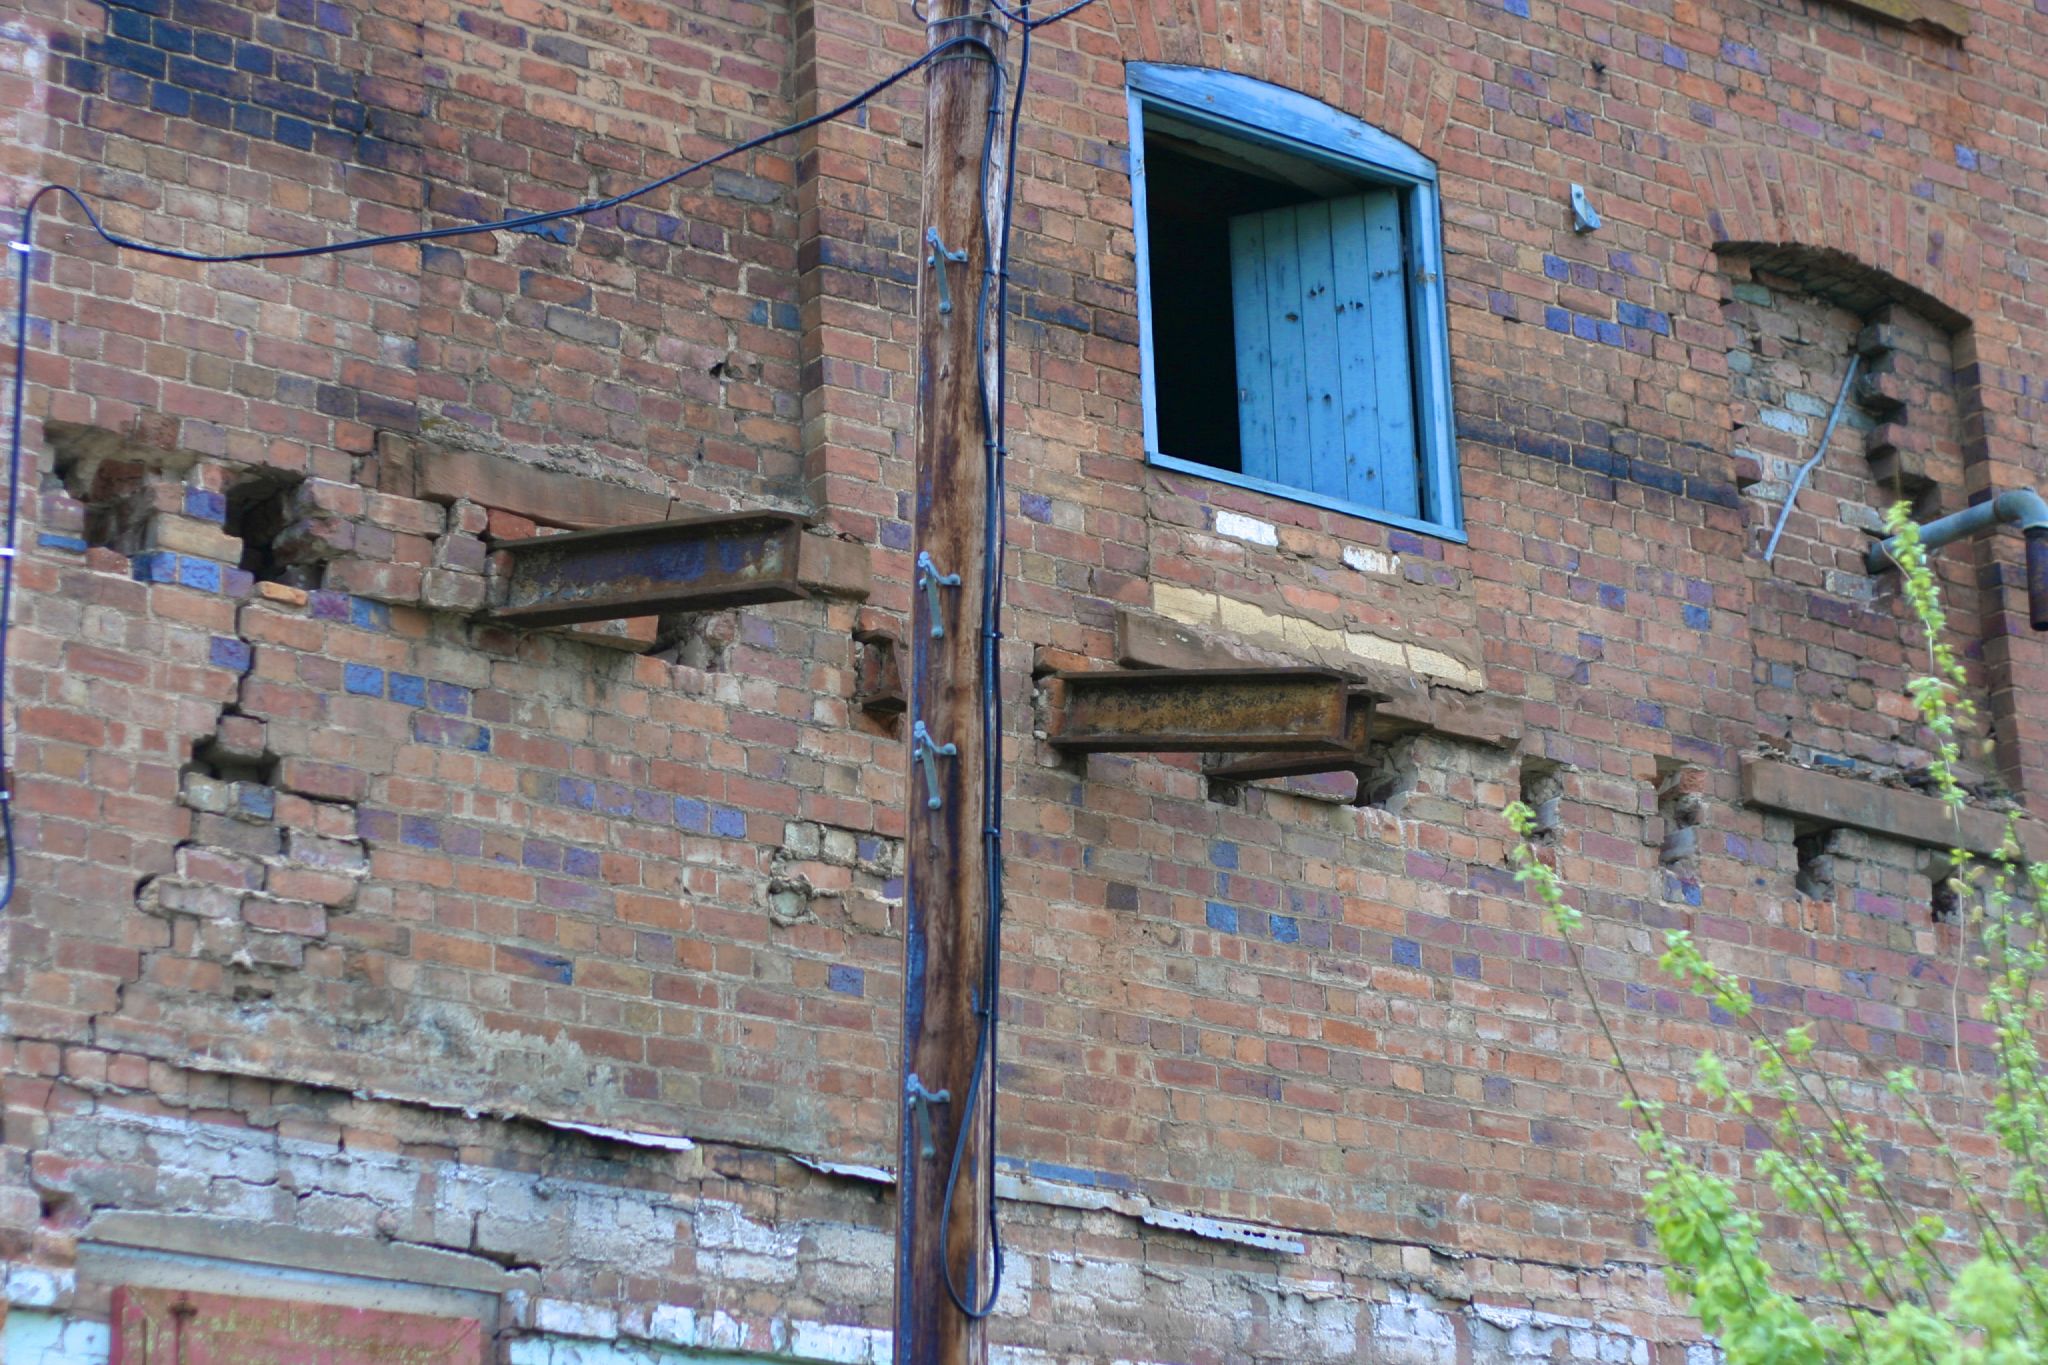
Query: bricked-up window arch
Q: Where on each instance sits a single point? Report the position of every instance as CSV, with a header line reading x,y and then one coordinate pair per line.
x,y
1290,299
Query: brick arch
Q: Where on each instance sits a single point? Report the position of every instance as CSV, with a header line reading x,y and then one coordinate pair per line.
x,y
1339,58
1764,199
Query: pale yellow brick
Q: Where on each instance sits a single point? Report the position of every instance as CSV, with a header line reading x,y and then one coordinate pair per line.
x,y
1445,669
1377,648
1184,604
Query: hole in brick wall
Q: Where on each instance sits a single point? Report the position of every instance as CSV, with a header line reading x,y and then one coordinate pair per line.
x,y
259,513
1680,809
112,493
1816,854
1945,898
1391,774
1543,793
700,640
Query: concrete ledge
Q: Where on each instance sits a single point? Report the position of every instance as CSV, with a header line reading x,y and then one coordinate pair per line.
x,y
294,1249
1824,799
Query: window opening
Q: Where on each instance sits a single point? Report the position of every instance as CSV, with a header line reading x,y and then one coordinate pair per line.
x,y
1291,299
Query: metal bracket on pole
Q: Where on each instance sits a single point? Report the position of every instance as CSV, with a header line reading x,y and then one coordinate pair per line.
x,y
929,755
937,262
921,1101
930,580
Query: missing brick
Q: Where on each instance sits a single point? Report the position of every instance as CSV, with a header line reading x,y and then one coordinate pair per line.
x,y
1945,897
1816,852
1542,791
1681,807
261,512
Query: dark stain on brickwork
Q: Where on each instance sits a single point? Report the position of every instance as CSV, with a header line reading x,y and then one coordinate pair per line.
x,y
270,79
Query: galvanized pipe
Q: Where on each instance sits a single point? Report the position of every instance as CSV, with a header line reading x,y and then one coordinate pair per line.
x,y
2021,507
1819,453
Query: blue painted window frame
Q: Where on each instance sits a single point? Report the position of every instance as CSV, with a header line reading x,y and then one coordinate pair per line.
x,y
1268,115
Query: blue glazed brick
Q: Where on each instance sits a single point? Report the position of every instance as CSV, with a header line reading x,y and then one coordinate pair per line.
x,y
202,574
449,733
206,504
1407,952
158,566
253,122
1557,319
1966,157
1222,854
1649,713
369,615
896,535
1649,319
419,831
575,791
1698,618
845,980
363,680
253,58
228,652
1036,506
1222,918
170,100
1608,333
1466,965
543,854
49,540
447,698
1554,267
328,606
256,802
1518,8
1612,597
728,823
1284,928
580,862
691,814
408,689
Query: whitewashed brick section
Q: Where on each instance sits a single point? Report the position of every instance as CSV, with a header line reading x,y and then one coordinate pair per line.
x,y
32,1338
33,1287
1411,1330
1366,559
1241,527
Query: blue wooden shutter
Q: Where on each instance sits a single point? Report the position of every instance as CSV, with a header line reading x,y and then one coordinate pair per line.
x,y
1326,393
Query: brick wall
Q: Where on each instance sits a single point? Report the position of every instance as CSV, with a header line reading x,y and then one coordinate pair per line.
x,y
328,881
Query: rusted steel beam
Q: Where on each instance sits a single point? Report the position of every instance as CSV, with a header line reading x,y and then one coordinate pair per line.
x,y
698,564
1358,729
1201,710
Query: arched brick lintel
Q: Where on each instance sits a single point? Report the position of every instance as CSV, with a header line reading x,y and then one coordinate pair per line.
x,y
1341,59
1761,199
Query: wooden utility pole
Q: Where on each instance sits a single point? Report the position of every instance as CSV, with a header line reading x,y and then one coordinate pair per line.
x,y
943,942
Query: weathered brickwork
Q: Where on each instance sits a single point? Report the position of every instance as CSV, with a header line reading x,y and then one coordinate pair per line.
x,y
556,972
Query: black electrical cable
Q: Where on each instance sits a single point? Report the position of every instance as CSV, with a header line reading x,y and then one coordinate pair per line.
x,y
994,418
24,251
